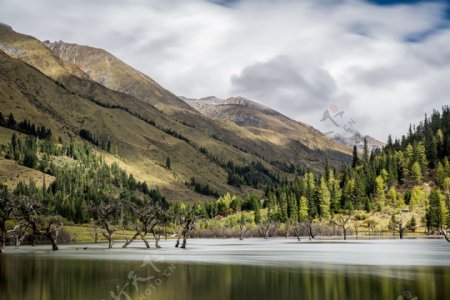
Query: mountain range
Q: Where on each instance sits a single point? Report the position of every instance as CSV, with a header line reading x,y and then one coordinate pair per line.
x,y
69,88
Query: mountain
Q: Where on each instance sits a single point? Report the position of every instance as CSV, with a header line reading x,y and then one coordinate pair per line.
x,y
72,89
263,120
104,68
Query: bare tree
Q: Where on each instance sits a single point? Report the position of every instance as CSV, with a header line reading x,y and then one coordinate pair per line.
x,y
104,213
299,229
19,233
342,222
6,210
243,228
189,225
148,216
34,215
160,228
396,225
266,226
184,220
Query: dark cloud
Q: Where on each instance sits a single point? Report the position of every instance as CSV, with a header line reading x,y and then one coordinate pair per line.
x,y
286,86
226,3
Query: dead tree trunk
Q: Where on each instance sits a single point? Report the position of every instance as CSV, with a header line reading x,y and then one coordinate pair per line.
x,y
242,228
342,223
310,231
2,237
53,240
188,227
266,228
19,233
446,235
401,230
298,231
397,226
147,245
108,233
157,237
128,242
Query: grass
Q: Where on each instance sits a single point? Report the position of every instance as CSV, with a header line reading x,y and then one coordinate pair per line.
x,y
82,234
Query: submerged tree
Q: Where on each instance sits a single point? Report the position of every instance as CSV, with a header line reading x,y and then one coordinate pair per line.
x,y
396,225
446,235
148,216
104,212
342,222
188,225
244,226
37,218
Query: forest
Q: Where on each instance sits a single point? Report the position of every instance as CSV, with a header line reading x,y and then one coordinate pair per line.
x,y
410,174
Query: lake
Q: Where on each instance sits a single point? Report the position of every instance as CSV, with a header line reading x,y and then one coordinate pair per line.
x,y
220,269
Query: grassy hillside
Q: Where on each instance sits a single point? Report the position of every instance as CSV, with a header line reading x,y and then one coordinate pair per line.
x,y
87,89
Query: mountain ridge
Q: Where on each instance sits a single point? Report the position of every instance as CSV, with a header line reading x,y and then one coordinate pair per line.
x,y
142,135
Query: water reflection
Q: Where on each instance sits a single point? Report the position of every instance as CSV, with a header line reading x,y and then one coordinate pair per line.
x,y
27,277
44,275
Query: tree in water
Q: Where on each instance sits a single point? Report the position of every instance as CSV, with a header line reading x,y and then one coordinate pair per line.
x,y
266,226
189,225
244,226
396,225
40,220
446,235
105,212
303,228
342,222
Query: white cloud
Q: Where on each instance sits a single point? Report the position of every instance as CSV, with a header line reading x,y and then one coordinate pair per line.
x,y
296,56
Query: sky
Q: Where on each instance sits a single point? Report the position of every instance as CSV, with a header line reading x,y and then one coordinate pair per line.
x,y
375,65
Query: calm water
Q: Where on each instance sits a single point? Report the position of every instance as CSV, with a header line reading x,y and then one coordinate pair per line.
x,y
230,269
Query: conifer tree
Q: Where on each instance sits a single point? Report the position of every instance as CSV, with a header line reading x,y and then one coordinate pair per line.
x,y
324,199
355,160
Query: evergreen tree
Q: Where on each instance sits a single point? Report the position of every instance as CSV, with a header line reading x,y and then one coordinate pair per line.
x,y
11,122
284,215
327,169
355,157
303,213
416,172
324,199
366,151
380,191
440,174
293,208
168,166
434,211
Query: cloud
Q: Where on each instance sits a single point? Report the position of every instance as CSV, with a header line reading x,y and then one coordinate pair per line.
x,y
385,63
284,84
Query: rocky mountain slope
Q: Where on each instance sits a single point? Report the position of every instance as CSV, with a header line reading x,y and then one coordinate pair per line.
x,y
263,120
67,88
